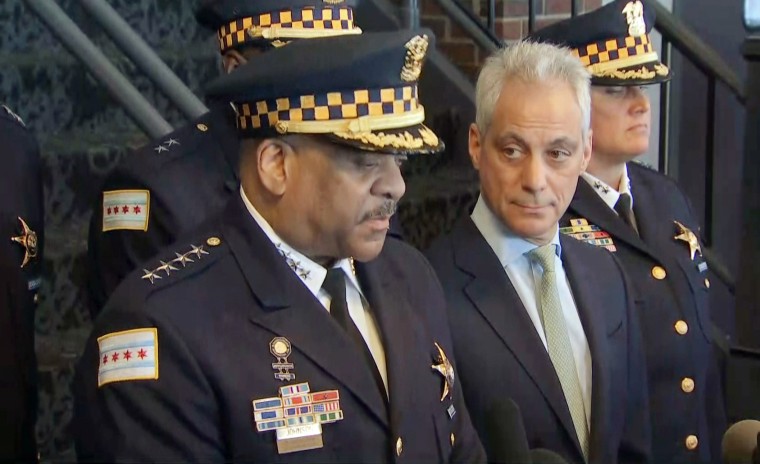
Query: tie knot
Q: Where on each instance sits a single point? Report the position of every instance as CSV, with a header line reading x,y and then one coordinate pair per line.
x,y
335,282
544,255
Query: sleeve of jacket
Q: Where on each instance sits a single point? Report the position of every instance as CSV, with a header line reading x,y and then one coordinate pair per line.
x,y
467,447
170,419
113,254
636,442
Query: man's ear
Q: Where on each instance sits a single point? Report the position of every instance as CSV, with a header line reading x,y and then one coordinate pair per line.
x,y
475,145
232,59
270,157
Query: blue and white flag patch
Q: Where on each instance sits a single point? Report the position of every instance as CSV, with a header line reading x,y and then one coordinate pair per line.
x,y
128,355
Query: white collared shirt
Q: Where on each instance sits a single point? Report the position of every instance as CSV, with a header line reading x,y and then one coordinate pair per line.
x,y
526,276
313,276
609,194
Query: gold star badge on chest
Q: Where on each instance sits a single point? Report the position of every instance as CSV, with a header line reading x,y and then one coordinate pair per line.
x,y
690,238
444,368
28,240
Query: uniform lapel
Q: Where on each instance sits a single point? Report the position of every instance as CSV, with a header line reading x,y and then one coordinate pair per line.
x,y
496,299
288,309
596,326
587,204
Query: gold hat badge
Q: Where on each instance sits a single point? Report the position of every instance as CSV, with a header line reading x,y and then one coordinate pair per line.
x,y
28,240
416,49
634,15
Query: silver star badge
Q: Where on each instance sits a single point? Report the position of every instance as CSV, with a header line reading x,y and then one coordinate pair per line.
x,y
160,148
182,259
171,142
150,275
166,267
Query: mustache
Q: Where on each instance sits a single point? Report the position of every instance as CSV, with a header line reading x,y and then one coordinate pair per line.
x,y
387,209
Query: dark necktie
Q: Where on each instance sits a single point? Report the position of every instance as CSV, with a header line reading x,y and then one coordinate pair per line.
x,y
335,285
624,210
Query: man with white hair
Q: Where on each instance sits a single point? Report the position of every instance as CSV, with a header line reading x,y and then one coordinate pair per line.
x,y
537,317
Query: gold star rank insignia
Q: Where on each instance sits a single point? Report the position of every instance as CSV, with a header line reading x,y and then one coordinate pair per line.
x,y
690,238
444,368
28,240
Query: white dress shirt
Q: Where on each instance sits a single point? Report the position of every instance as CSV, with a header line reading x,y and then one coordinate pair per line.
x,y
313,275
608,193
525,277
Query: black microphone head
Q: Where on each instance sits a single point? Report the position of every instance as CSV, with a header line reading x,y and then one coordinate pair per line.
x,y
505,438
543,456
740,442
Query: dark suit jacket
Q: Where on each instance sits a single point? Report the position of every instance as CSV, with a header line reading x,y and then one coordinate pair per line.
x,y
216,319
20,196
500,354
682,295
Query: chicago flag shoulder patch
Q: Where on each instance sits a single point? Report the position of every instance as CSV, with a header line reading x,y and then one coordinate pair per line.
x,y
128,355
126,210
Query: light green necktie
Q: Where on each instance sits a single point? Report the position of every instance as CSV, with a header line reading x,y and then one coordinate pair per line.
x,y
558,341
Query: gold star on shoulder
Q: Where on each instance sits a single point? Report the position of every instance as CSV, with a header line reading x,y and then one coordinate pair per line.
x,y
690,238
444,368
28,240
181,258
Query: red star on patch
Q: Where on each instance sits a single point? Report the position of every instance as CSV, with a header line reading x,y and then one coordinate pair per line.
x,y
116,210
109,210
127,355
115,357
105,359
137,210
125,209
142,353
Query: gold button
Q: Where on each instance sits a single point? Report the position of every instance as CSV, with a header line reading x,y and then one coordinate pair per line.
x,y
36,298
213,241
658,272
399,446
692,442
453,439
707,282
202,127
687,385
682,327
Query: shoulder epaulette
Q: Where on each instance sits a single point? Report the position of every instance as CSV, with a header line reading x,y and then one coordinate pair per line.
x,y
184,263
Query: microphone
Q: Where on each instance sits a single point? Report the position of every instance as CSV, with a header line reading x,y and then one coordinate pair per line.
x,y
544,456
505,437
740,442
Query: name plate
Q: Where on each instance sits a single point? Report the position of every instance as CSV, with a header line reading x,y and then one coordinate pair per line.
x,y
299,438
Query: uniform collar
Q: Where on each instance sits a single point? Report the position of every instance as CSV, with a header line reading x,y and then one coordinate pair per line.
x,y
607,193
508,246
311,273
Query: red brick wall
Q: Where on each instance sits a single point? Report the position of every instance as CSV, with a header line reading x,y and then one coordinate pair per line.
x,y
511,24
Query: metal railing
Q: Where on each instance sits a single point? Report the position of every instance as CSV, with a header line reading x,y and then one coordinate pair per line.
x,y
137,107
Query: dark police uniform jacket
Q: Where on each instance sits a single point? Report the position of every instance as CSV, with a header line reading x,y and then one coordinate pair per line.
x,y
500,355
684,387
172,185
215,319
20,197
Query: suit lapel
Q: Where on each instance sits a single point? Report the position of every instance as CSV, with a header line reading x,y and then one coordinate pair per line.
x,y
395,319
596,327
288,309
494,296
587,204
